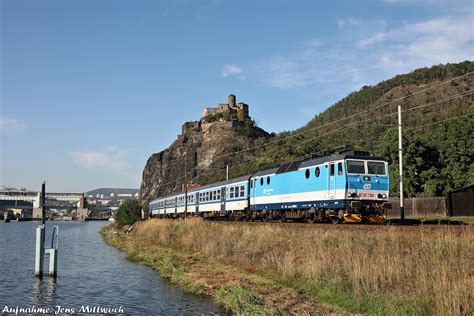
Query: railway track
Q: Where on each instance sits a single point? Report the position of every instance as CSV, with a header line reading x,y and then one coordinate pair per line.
x,y
409,224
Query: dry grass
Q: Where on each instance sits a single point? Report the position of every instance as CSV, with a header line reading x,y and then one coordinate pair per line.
x,y
388,270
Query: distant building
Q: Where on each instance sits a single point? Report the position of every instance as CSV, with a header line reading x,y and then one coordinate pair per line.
x,y
21,213
124,195
105,202
112,194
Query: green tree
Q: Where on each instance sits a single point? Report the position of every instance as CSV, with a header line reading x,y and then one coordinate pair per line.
x,y
129,212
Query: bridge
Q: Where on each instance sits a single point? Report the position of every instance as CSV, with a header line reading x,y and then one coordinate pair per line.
x,y
21,198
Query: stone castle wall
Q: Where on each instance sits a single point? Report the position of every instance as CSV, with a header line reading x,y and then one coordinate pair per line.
x,y
226,107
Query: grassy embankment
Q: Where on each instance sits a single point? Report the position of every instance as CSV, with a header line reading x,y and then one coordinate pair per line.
x,y
280,269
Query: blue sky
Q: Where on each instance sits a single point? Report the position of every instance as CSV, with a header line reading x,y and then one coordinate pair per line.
x,y
90,89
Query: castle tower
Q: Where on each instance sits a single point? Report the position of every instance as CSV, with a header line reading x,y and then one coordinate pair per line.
x,y
231,101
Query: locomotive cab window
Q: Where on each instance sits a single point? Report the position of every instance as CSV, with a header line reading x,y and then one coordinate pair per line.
x,y
268,180
355,166
339,168
376,167
331,169
317,172
306,174
261,181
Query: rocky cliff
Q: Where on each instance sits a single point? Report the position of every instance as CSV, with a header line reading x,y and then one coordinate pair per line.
x,y
207,147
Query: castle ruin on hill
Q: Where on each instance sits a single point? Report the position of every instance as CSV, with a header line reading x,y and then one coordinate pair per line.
x,y
227,111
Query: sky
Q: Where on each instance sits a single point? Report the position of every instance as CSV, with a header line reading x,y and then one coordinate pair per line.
x,y
90,89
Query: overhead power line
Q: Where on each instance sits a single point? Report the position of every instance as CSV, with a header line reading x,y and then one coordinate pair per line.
x,y
437,122
350,116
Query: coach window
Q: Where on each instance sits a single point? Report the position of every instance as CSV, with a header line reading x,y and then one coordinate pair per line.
x,y
339,169
317,172
231,194
261,181
268,180
242,191
307,174
331,169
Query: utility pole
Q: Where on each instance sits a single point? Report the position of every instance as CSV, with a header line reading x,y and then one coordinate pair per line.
x,y
185,186
400,162
227,172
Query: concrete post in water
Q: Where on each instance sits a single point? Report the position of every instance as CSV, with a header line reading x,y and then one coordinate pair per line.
x,y
39,255
53,262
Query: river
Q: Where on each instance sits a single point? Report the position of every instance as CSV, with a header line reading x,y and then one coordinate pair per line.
x,y
90,274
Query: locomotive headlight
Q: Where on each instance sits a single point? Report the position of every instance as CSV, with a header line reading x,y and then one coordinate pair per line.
x,y
384,196
349,194
380,196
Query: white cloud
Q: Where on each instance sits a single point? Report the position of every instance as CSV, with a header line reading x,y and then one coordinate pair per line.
x,y
435,41
11,125
313,42
371,52
310,67
230,70
110,159
348,22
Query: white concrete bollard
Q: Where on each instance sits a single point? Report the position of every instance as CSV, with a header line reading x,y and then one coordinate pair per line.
x,y
53,262
39,257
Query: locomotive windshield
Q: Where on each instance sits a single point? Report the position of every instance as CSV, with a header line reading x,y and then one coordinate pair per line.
x,y
355,166
376,167
373,167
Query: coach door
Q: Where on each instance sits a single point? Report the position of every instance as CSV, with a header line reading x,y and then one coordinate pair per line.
x,y
253,191
331,181
223,199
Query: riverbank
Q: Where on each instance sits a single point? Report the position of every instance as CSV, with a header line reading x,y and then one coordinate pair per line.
x,y
272,268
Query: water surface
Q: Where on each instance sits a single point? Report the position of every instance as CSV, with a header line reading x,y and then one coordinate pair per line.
x,y
90,273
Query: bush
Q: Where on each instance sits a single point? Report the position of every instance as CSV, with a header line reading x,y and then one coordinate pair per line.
x,y
129,212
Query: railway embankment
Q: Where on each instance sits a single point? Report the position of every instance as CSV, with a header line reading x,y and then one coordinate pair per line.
x,y
309,269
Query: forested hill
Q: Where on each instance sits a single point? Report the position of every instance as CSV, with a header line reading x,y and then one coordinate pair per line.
x,y
438,127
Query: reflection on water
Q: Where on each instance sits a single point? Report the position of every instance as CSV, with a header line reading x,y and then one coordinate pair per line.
x,y
45,291
90,273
